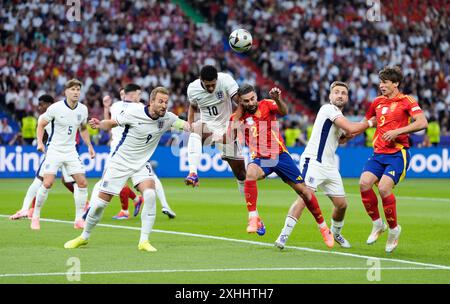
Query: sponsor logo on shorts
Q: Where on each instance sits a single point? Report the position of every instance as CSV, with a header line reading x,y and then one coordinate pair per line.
x,y
105,184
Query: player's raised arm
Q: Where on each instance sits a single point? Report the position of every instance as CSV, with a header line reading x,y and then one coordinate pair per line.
x,y
84,133
40,134
275,94
107,102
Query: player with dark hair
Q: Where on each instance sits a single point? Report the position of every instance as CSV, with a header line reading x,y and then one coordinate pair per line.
x,y
387,166
213,95
257,123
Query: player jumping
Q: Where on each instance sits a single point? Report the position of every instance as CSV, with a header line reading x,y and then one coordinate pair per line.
x,y
259,124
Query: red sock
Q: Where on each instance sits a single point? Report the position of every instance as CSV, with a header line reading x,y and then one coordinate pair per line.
x,y
390,210
69,186
131,194
370,201
34,202
314,208
251,194
124,194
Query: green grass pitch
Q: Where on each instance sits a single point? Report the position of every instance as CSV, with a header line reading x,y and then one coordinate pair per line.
x,y
207,242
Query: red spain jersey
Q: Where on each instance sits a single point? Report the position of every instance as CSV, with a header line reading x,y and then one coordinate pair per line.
x,y
392,114
262,131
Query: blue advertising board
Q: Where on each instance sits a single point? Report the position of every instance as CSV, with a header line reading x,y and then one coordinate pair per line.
x,y
23,161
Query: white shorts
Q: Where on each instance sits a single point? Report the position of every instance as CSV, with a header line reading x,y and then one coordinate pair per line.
x,y
115,177
53,161
231,150
327,178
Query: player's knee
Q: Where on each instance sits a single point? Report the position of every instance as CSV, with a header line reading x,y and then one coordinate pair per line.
x,y
341,205
82,183
364,184
47,184
385,190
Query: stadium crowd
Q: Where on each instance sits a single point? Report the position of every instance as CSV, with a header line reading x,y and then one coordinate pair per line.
x,y
308,44
153,43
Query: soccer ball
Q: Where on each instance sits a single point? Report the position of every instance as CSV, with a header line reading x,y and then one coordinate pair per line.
x,y
240,40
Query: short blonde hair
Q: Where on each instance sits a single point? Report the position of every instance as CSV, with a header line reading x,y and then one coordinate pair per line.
x,y
72,83
338,83
157,90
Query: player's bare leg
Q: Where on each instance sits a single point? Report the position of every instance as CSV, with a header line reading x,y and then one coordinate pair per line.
x,y
41,197
337,220
148,214
390,211
312,204
80,195
370,201
255,224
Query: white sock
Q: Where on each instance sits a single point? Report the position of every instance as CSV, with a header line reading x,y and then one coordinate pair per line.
x,y
253,213
148,214
160,193
125,211
336,226
31,193
323,224
377,223
41,197
289,225
94,193
94,215
80,196
194,152
136,199
241,187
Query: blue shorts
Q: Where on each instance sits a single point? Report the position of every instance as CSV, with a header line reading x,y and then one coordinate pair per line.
x,y
393,165
284,167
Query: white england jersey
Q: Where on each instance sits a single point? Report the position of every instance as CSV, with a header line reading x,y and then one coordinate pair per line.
x,y
324,137
140,136
47,128
215,108
64,123
116,133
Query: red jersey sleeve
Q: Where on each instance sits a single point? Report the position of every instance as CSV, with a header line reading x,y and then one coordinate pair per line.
x,y
272,106
371,111
413,107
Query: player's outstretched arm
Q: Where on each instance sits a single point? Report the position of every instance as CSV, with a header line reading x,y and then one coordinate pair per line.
x,y
275,94
352,128
84,133
40,134
420,123
106,124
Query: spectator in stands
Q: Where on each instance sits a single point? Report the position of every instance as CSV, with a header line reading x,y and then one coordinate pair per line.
x,y
6,132
28,129
294,136
433,133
